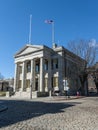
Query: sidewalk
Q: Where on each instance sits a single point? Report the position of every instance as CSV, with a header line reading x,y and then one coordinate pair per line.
x,y
49,98
60,98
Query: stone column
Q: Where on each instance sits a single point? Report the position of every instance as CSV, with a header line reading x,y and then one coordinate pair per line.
x,y
41,74
33,74
49,75
39,82
23,77
15,77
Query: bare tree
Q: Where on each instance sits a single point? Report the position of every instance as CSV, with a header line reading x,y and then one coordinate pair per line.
x,y
85,49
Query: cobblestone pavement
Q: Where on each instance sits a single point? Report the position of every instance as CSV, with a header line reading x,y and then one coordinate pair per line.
x,y
40,114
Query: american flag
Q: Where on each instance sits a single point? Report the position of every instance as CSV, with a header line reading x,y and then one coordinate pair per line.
x,y
49,21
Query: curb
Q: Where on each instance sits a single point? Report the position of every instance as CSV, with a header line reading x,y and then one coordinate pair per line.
x,y
3,108
64,98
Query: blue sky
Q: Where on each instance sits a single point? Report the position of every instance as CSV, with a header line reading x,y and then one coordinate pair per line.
x,y
74,19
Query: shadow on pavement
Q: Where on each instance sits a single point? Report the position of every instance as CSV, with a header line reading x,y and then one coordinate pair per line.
x,y
93,95
20,110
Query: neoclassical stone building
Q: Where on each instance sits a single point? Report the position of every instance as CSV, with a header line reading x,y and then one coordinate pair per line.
x,y
45,68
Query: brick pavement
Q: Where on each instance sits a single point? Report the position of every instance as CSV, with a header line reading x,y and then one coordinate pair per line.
x,y
50,114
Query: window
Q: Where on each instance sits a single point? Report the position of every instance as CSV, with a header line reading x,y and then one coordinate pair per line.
x,y
55,81
46,82
37,67
27,83
46,65
19,84
52,82
29,67
20,69
54,63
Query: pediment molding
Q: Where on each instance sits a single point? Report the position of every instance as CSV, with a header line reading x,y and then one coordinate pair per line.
x,y
28,49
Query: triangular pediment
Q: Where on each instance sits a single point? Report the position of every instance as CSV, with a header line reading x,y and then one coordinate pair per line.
x,y
29,49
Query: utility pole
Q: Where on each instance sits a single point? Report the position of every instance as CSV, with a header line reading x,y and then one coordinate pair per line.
x,y
30,89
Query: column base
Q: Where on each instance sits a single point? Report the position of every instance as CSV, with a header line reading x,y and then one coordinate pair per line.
x,y
46,89
27,89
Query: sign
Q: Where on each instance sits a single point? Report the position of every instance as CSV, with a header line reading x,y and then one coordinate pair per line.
x,y
66,88
65,83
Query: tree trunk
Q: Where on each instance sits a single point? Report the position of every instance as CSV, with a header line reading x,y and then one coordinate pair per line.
x,y
96,87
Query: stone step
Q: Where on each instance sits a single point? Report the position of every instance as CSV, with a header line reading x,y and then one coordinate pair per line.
x,y
25,94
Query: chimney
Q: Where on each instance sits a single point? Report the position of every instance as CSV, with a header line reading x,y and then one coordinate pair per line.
x,y
54,45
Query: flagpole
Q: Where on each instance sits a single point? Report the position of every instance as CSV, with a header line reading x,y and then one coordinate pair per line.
x,y
52,27
30,29
52,32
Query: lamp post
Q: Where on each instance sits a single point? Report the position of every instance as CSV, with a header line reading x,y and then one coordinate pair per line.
x,y
66,88
30,89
